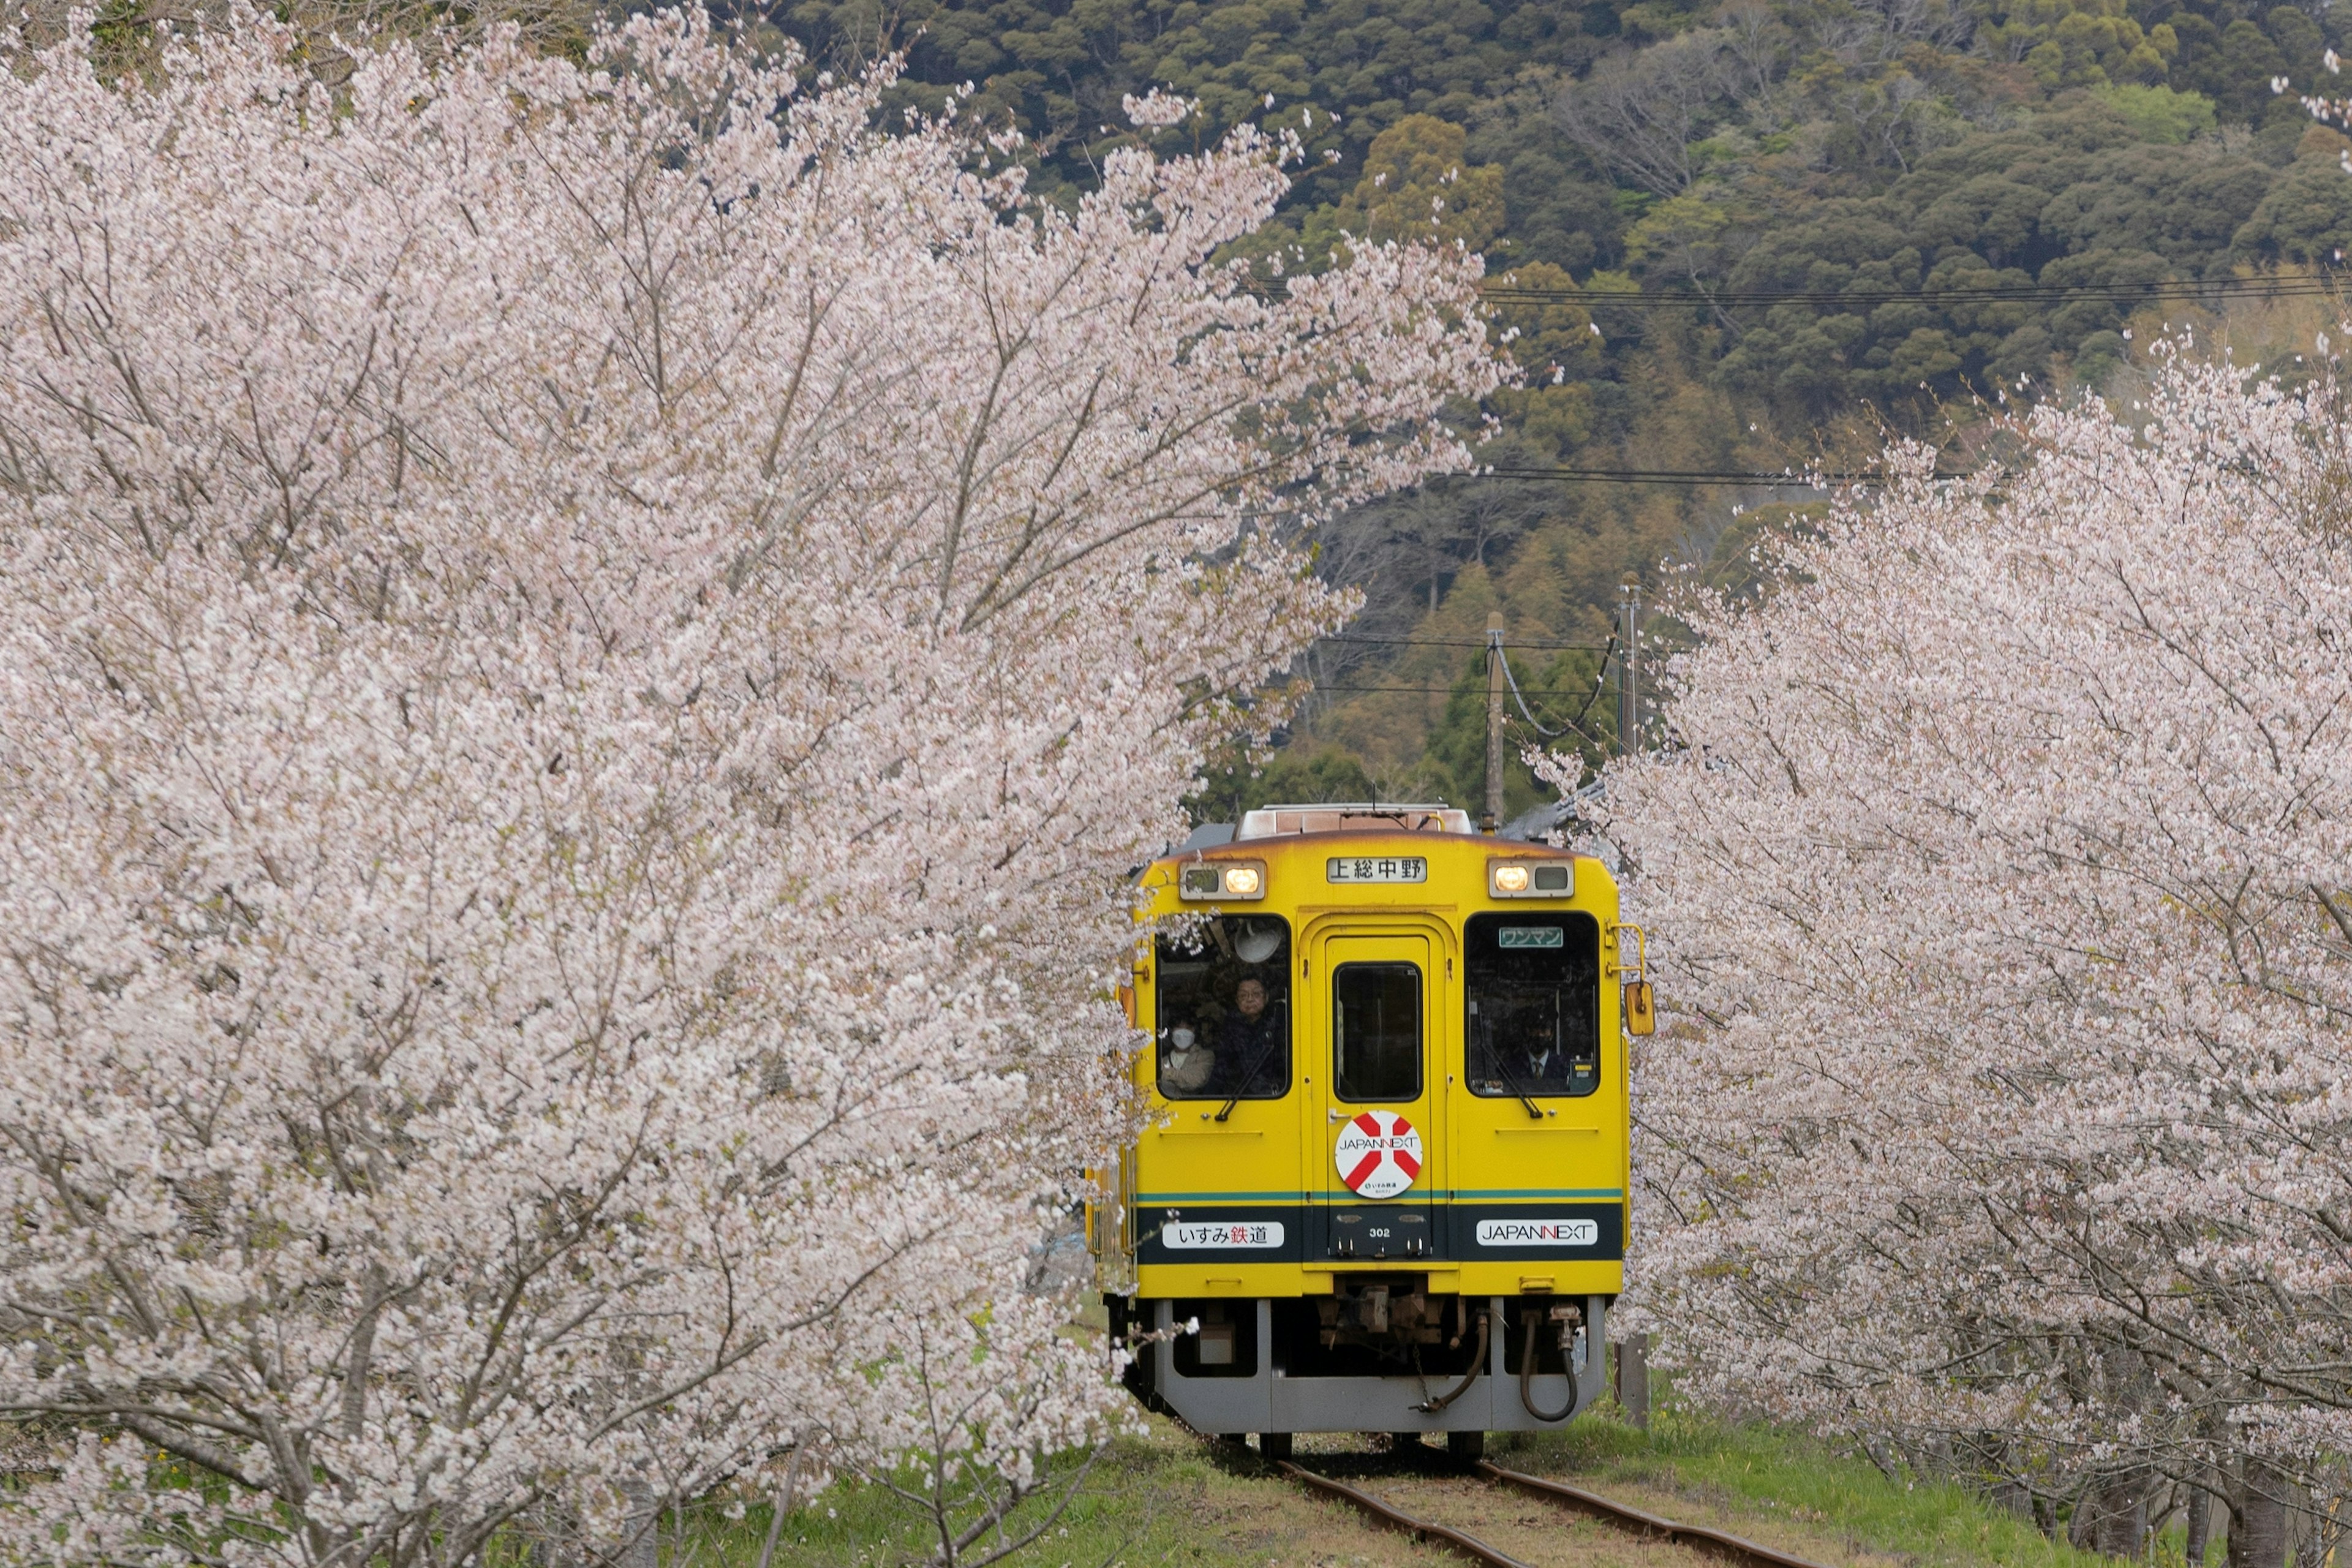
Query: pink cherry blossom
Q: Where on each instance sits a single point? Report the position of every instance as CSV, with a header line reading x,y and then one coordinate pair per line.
x,y
583,651
1997,866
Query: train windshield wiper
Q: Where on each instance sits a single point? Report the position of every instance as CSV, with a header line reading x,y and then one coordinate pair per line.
x,y
1512,1084
1249,1074
1242,1084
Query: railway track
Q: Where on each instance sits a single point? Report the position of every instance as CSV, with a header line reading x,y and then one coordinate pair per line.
x,y
1397,1518
1715,1543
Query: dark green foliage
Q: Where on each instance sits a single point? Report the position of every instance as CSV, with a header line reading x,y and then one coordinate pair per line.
x,y
1816,144
1842,147
2075,196
1057,69
2305,217
1294,776
1560,211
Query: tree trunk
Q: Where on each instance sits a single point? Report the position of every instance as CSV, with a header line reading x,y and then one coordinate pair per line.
x,y
640,1544
2258,1518
2200,1525
2117,1515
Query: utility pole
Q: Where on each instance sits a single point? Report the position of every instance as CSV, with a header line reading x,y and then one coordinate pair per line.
x,y
1629,670
1494,817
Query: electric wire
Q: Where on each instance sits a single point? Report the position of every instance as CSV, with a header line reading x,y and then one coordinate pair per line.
x,y
1575,725
2164,288
1513,681
1464,642
1448,690
1432,1405
1786,478
1528,1377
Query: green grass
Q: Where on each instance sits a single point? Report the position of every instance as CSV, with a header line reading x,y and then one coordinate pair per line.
x,y
1169,1498
1166,1498
1738,1475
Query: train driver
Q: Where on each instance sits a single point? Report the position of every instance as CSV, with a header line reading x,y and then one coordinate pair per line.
x,y
1250,1055
1544,1067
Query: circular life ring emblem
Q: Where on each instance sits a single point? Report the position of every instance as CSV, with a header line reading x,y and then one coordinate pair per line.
x,y
1379,1155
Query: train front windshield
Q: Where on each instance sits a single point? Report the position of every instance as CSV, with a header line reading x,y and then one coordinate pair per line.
x,y
1222,1024
1533,1004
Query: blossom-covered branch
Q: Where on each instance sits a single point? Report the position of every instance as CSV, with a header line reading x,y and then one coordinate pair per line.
x,y
581,649
1997,865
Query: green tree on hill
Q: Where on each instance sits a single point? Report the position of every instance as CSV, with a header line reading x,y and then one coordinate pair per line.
x,y
1867,155
2079,43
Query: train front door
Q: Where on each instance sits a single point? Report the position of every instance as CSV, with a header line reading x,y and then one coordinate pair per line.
x,y
1378,1080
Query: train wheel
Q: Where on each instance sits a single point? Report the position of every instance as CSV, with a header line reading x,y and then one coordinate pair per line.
x,y
1467,1447
1272,1446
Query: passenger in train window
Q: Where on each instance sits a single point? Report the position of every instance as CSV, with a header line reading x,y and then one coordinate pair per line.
x,y
1223,985
1186,1065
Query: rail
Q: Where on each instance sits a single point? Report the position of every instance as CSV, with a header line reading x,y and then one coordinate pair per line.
x,y
1397,1518
1717,1542
1720,1543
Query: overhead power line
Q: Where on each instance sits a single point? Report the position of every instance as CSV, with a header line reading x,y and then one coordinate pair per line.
x,y
1521,697
1448,690
2180,289
1685,477
2020,293
1464,642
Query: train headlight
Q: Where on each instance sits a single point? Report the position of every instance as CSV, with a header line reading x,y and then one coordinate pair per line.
x,y
1531,879
1203,880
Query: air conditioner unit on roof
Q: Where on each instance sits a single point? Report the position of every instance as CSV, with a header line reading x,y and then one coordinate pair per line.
x,y
1275,821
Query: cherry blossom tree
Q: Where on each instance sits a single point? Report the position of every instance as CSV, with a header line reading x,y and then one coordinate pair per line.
x,y
1997,868
584,647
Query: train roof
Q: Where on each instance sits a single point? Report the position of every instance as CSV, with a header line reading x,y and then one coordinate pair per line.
x,y
1282,821
1278,821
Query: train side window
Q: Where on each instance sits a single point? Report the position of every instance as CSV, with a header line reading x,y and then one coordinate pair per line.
x,y
1222,1009
1376,1030
1532,995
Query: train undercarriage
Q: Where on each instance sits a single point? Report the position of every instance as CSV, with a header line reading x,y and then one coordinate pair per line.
x,y
1380,1354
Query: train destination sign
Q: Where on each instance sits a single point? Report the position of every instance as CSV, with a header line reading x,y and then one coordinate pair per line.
x,y
1376,868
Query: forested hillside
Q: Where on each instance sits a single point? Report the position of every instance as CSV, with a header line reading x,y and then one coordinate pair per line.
x,y
1703,152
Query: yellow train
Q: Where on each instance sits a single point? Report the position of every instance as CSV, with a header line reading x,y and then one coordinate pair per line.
x,y
1387,1165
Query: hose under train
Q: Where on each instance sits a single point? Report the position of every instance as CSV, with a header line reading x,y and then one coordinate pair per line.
x,y
1477,1365
1528,1377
